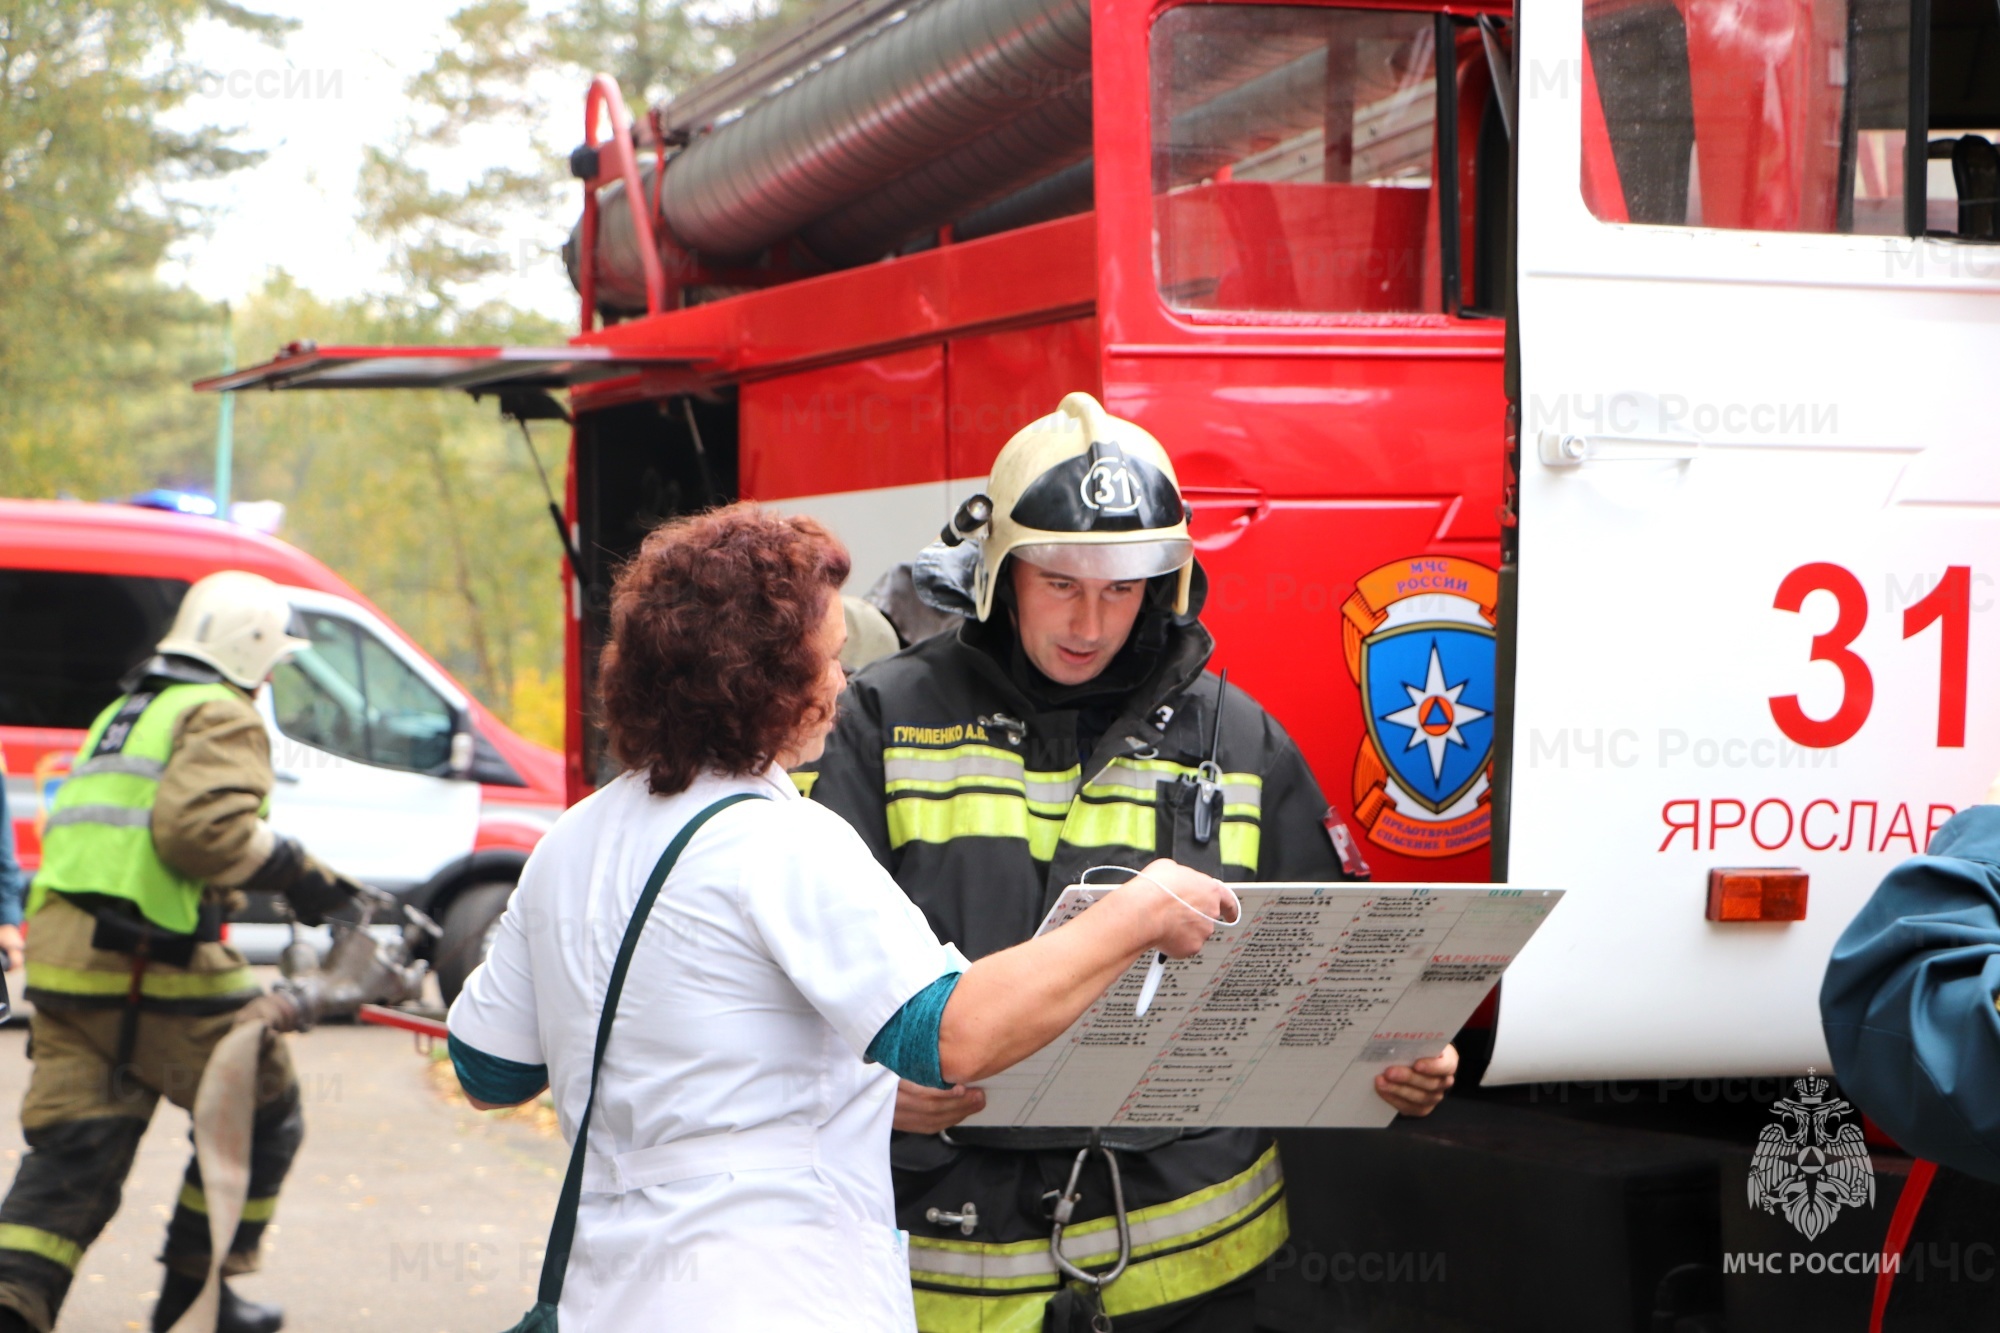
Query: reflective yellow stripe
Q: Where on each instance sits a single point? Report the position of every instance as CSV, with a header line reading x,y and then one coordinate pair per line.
x,y
936,770
48,1244
1188,1273
981,791
1125,813
804,782
1142,776
131,765
948,1312
945,786
1054,808
108,788
1240,844
1146,1285
1174,1224
111,816
155,984
254,1210
972,814
1112,824
957,760
1136,825
979,814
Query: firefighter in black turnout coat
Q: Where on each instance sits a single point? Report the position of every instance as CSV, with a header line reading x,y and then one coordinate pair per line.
x,y
1071,724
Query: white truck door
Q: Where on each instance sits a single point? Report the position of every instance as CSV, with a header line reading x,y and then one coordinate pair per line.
x,y
1759,506
362,744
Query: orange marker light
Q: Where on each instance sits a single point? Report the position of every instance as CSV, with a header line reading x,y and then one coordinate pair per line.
x,y
1762,893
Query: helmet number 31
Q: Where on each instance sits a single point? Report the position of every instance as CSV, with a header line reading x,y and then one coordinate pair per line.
x,y
1110,488
1949,604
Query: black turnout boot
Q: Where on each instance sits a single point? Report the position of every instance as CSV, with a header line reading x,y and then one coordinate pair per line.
x,y
177,1293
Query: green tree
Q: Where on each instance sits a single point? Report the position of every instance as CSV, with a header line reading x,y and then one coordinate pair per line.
x,y
87,211
499,70
425,501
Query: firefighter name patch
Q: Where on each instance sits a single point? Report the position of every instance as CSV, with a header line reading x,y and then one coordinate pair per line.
x,y
1418,635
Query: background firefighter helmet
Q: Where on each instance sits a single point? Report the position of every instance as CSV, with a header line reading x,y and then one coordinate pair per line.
x,y
1083,493
237,622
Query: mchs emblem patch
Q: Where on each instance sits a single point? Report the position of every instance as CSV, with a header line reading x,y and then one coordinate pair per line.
x,y
1418,635
1809,1166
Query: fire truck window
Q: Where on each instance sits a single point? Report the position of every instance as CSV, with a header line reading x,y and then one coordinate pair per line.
x,y
1485,247
1762,115
1962,177
1292,159
67,638
351,696
1788,115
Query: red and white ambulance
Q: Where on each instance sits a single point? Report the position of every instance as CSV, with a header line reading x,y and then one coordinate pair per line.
x,y
387,768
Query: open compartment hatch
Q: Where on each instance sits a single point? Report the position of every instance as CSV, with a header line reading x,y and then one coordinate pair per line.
x,y
306,365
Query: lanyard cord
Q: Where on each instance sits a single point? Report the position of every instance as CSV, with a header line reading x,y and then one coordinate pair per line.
x,y
1236,904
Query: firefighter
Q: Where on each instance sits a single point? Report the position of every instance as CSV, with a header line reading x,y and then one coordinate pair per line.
x,y
1070,724
149,842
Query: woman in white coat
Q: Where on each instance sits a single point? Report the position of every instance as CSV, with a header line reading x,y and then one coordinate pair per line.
x,y
736,1173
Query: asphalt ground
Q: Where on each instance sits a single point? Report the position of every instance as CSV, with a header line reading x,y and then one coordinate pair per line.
x,y
405,1209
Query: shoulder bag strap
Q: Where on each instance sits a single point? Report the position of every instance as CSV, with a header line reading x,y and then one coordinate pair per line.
x,y
562,1232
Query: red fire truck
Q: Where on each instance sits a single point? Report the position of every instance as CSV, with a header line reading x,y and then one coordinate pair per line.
x,y
1625,346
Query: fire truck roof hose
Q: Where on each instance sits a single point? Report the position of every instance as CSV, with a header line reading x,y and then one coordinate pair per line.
x,y
860,154
1053,135
911,93
1069,191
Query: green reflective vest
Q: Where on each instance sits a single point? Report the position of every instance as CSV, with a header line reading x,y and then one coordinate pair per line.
x,y
99,835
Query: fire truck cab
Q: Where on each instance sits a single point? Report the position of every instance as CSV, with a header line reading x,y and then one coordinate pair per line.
x,y
1605,371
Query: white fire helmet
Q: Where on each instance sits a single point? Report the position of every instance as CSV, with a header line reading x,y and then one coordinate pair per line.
x,y
1083,493
237,622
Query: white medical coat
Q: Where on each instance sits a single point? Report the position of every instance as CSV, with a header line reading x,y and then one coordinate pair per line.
x,y
738,1175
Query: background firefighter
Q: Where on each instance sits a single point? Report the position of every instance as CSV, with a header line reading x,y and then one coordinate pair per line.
x,y
987,769
149,844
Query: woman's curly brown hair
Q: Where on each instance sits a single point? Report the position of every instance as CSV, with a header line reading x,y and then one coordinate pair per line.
x,y
712,664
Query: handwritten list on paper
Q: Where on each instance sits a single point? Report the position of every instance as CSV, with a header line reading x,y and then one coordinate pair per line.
x,y
1284,1018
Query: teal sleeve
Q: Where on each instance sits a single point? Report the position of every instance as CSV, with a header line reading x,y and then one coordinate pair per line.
x,y
908,1042
488,1078
1908,1001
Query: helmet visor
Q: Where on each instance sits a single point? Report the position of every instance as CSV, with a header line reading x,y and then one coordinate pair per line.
x,y
1117,561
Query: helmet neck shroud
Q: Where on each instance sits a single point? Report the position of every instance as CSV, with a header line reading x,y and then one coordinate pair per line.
x,y
163,669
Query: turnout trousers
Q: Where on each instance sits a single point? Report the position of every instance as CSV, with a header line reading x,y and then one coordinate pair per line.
x,y
83,1116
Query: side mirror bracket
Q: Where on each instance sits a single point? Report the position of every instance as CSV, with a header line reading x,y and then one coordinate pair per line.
x,y
462,746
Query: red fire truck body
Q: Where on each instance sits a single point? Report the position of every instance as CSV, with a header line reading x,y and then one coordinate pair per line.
x,y
903,405
1331,418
